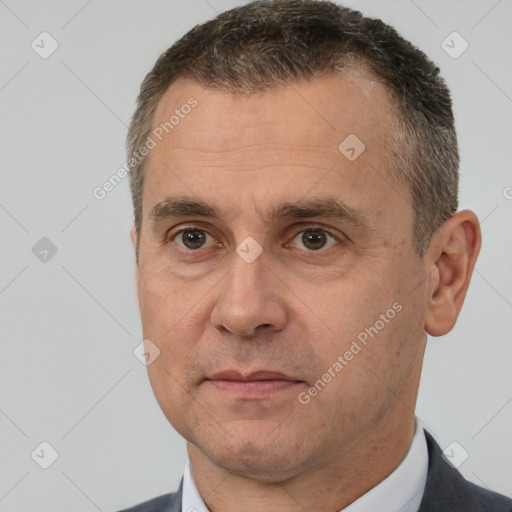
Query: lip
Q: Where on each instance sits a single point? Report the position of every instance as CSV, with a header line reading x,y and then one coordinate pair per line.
x,y
258,384
253,376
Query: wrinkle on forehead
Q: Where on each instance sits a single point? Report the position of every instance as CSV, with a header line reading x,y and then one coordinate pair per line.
x,y
333,105
255,156
289,137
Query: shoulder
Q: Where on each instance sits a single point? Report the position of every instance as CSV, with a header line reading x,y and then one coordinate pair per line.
x,y
163,503
447,490
489,501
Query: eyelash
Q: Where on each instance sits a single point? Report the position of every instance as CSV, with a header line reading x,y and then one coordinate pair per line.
x,y
311,227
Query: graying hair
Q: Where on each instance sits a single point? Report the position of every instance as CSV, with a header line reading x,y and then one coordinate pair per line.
x,y
274,43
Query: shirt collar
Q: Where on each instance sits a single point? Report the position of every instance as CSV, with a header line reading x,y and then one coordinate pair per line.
x,y
191,499
401,491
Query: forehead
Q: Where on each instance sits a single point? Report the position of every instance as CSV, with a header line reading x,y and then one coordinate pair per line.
x,y
273,145
321,111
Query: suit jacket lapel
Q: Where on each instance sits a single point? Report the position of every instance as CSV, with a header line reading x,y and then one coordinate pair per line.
x,y
176,500
446,490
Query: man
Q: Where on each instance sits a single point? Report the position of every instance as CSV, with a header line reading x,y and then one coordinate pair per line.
x,y
294,172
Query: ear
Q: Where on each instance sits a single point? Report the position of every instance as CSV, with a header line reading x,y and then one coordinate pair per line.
x,y
451,256
133,236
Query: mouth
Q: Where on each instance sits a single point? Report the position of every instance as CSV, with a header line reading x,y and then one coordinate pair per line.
x,y
258,384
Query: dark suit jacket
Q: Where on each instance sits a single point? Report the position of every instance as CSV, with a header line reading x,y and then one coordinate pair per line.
x,y
446,491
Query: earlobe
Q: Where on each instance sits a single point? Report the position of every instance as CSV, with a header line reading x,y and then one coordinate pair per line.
x,y
452,253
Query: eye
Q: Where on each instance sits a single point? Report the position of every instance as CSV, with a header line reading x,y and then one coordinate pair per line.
x,y
193,238
315,239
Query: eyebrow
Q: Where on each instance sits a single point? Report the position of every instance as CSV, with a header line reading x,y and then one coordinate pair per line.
x,y
328,208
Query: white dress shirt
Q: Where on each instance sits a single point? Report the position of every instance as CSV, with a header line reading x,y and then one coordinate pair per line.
x,y
401,491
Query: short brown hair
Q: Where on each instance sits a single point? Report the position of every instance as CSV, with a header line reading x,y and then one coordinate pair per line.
x,y
266,44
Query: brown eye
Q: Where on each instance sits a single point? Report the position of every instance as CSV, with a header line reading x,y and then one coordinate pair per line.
x,y
191,238
314,239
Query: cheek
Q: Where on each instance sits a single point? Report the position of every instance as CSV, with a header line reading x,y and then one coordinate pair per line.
x,y
365,324
350,305
165,299
172,394
365,369
173,321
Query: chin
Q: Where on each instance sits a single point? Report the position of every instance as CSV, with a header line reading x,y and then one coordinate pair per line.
x,y
256,448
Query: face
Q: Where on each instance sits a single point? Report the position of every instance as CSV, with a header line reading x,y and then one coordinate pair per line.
x,y
266,248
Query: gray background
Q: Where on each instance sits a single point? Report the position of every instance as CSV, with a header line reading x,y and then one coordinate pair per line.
x,y
69,324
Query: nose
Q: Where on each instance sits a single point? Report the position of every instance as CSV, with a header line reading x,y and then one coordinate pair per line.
x,y
249,301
